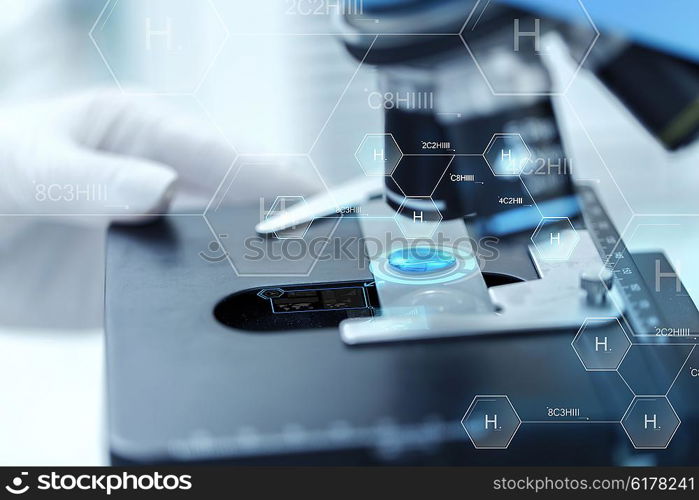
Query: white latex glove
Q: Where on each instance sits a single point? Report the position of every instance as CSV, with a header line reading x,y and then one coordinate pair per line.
x,y
119,158
53,269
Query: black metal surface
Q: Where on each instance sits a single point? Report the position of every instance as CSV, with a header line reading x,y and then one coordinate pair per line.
x,y
182,386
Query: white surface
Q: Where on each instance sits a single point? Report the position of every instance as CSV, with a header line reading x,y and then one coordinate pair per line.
x,y
52,390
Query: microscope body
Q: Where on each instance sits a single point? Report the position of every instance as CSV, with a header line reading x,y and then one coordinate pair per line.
x,y
469,78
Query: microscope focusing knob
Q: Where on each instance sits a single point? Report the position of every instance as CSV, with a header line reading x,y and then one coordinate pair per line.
x,y
596,286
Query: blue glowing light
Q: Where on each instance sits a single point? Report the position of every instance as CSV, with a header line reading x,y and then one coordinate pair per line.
x,y
421,260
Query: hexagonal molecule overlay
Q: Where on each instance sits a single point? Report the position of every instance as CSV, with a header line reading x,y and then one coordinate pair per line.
x,y
491,422
378,154
555,238
508,46
418,217
163,46
288,252
650,422
280,205
601,344
507,154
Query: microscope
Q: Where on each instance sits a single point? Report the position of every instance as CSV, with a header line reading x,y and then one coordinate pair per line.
x,y
463,78
488,281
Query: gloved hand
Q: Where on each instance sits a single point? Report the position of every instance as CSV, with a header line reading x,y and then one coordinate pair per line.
x,y
105,154
92,159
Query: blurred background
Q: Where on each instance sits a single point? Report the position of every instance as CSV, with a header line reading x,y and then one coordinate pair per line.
x,y
276,63
270,77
